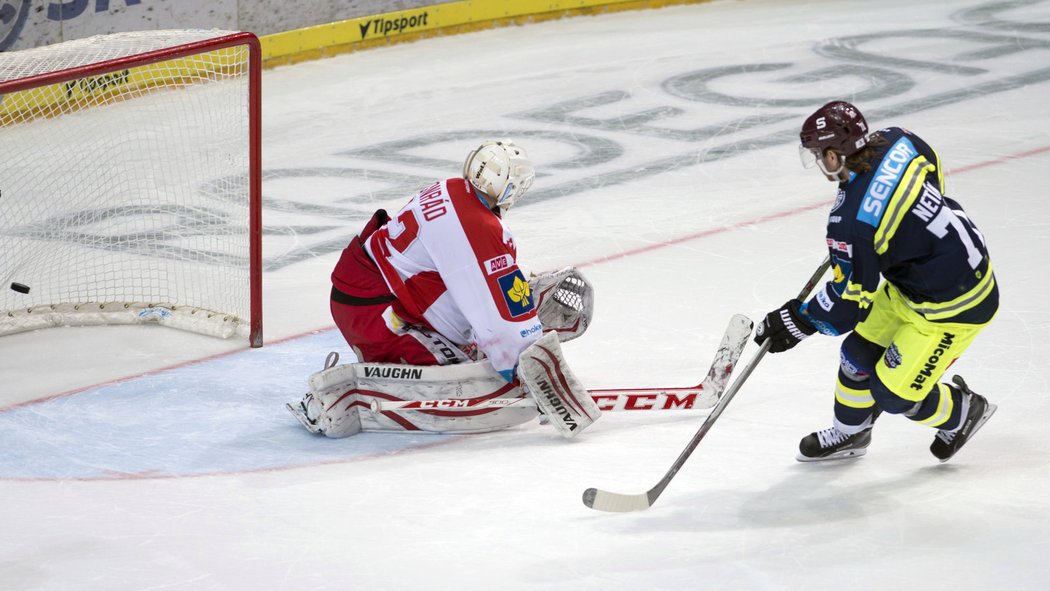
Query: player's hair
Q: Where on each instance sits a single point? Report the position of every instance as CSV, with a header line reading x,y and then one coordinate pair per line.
x,y
863,161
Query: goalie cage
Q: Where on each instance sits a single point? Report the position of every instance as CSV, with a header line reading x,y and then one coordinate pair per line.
x,y
130,185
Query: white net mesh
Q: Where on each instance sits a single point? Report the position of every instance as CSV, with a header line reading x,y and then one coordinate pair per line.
x,y
124,192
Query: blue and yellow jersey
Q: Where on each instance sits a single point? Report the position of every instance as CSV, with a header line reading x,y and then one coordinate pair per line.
x,y
896,223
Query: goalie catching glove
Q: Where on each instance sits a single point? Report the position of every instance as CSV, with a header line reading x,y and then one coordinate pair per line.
x,y
565,302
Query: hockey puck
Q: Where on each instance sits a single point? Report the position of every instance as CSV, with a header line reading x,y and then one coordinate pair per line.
x,y
20,287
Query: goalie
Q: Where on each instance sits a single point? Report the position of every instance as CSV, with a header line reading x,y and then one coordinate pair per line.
x,y
434,305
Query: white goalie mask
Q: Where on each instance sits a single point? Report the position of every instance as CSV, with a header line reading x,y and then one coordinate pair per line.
x,y
501,170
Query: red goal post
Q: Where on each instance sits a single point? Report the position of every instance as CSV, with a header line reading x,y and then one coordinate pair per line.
x,y
130,183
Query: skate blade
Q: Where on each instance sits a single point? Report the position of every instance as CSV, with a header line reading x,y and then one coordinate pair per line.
x,y
839,455
297,411
988,412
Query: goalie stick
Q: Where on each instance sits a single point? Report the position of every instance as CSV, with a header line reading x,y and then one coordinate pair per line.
x,y
620,503
702,396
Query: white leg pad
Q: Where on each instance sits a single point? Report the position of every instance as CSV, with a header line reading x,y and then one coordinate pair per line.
x,y
342,395
331,416
559,395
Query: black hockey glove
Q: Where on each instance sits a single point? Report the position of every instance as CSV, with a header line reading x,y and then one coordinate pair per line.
x,y
785,328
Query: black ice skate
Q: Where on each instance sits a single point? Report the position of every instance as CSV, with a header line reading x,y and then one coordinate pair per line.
x,y
947,443
832,444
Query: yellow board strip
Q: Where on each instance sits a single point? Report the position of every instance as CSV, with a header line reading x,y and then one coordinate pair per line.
x,y
441,19
310,43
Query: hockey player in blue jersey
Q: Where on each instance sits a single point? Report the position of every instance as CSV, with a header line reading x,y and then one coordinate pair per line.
x,y
913,286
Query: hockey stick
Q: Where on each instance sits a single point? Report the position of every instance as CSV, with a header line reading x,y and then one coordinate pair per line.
x,y
607,400
619,503
702,396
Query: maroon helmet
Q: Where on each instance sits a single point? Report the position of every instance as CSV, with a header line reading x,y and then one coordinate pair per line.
x,y
837,125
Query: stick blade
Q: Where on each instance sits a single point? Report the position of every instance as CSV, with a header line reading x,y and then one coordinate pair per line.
x,y
714,384
602,500
729,350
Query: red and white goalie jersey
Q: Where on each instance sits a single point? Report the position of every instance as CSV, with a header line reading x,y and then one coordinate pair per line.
x,y
451,263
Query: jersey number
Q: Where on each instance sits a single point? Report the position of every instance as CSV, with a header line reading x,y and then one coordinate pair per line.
x,y
404,231
956,219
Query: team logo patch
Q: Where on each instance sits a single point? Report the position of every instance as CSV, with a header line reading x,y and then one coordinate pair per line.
x,y
839,275
840,198
516,293
893,356
842,270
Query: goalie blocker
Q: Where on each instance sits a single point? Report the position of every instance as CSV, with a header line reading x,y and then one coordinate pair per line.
x,y
340,400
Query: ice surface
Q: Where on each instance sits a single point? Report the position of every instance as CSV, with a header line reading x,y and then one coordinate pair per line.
x,y
665,140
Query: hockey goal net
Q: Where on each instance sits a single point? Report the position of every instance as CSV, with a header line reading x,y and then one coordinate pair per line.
x,y
130,183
